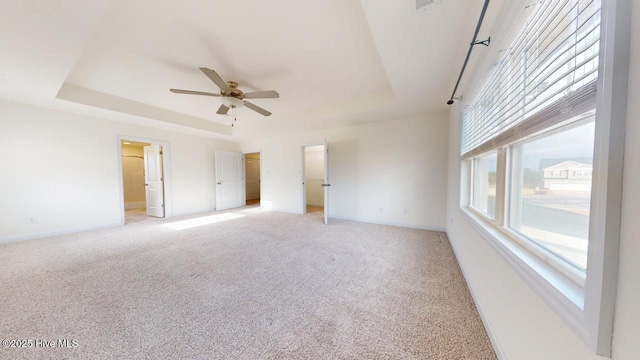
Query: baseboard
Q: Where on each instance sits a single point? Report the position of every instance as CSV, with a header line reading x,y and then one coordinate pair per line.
x,y
288,211
391,223
55,233
135,205
493,338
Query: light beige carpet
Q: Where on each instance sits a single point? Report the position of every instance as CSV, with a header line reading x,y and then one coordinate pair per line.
x,y
240,285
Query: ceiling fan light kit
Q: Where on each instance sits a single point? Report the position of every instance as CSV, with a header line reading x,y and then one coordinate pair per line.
x,y
231,102
231,96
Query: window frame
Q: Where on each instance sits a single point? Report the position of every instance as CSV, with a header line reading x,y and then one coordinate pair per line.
x,y
587,309
555,260
495,220
504,203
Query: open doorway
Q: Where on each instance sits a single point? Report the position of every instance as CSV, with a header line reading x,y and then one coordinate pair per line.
x,y
142,180
252,178
314,168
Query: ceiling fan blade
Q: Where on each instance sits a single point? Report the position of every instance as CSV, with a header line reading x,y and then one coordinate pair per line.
x,y
269,94
222,110
211,74
191,92
256,108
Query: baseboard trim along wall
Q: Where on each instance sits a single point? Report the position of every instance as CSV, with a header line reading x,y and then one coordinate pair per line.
x,y
497,347
390,223
13,239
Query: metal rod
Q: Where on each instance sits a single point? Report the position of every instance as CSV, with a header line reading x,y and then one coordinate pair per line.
x,y
473,43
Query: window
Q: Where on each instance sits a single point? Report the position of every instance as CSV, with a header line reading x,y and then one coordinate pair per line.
x,y
541,138
552,211
484,184
530,108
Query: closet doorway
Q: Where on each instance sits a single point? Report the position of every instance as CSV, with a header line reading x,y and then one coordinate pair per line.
x,y
314,175
252,178
143,180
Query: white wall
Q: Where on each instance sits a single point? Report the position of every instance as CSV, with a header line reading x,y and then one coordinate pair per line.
x,y
61,171
522,325
376,171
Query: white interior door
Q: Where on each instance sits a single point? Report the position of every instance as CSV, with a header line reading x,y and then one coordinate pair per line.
x,y
229,180
153,180
326,183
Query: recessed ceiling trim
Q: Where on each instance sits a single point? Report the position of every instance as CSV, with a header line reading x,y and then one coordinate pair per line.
x,y
102,100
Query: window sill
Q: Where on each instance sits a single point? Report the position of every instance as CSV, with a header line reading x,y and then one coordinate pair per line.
x,y
556,289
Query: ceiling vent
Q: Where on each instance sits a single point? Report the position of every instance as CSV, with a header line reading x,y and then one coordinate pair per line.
x,y
422,4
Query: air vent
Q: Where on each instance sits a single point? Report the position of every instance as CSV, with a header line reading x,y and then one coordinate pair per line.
x,y
422,4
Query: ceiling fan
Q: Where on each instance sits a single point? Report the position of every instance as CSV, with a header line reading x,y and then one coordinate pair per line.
x,y
231,96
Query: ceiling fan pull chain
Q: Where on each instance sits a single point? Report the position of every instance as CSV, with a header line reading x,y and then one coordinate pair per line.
x,y
233,114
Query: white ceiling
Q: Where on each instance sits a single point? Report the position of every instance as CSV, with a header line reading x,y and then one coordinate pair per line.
x,y
334,62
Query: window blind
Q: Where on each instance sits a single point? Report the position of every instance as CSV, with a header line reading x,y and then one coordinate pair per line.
x,y
550,67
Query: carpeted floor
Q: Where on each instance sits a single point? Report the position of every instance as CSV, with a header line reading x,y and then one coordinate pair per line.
x,y
242,284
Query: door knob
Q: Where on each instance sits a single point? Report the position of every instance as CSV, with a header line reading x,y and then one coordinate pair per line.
x,y
219,183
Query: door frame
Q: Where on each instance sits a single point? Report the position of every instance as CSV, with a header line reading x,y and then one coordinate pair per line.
x,y
303,172
244,154
166,166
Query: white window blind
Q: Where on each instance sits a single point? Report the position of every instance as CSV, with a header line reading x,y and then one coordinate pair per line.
x,y
546,75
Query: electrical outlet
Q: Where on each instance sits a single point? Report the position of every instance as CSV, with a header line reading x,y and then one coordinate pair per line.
x,y
32,220
381,209
405,211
